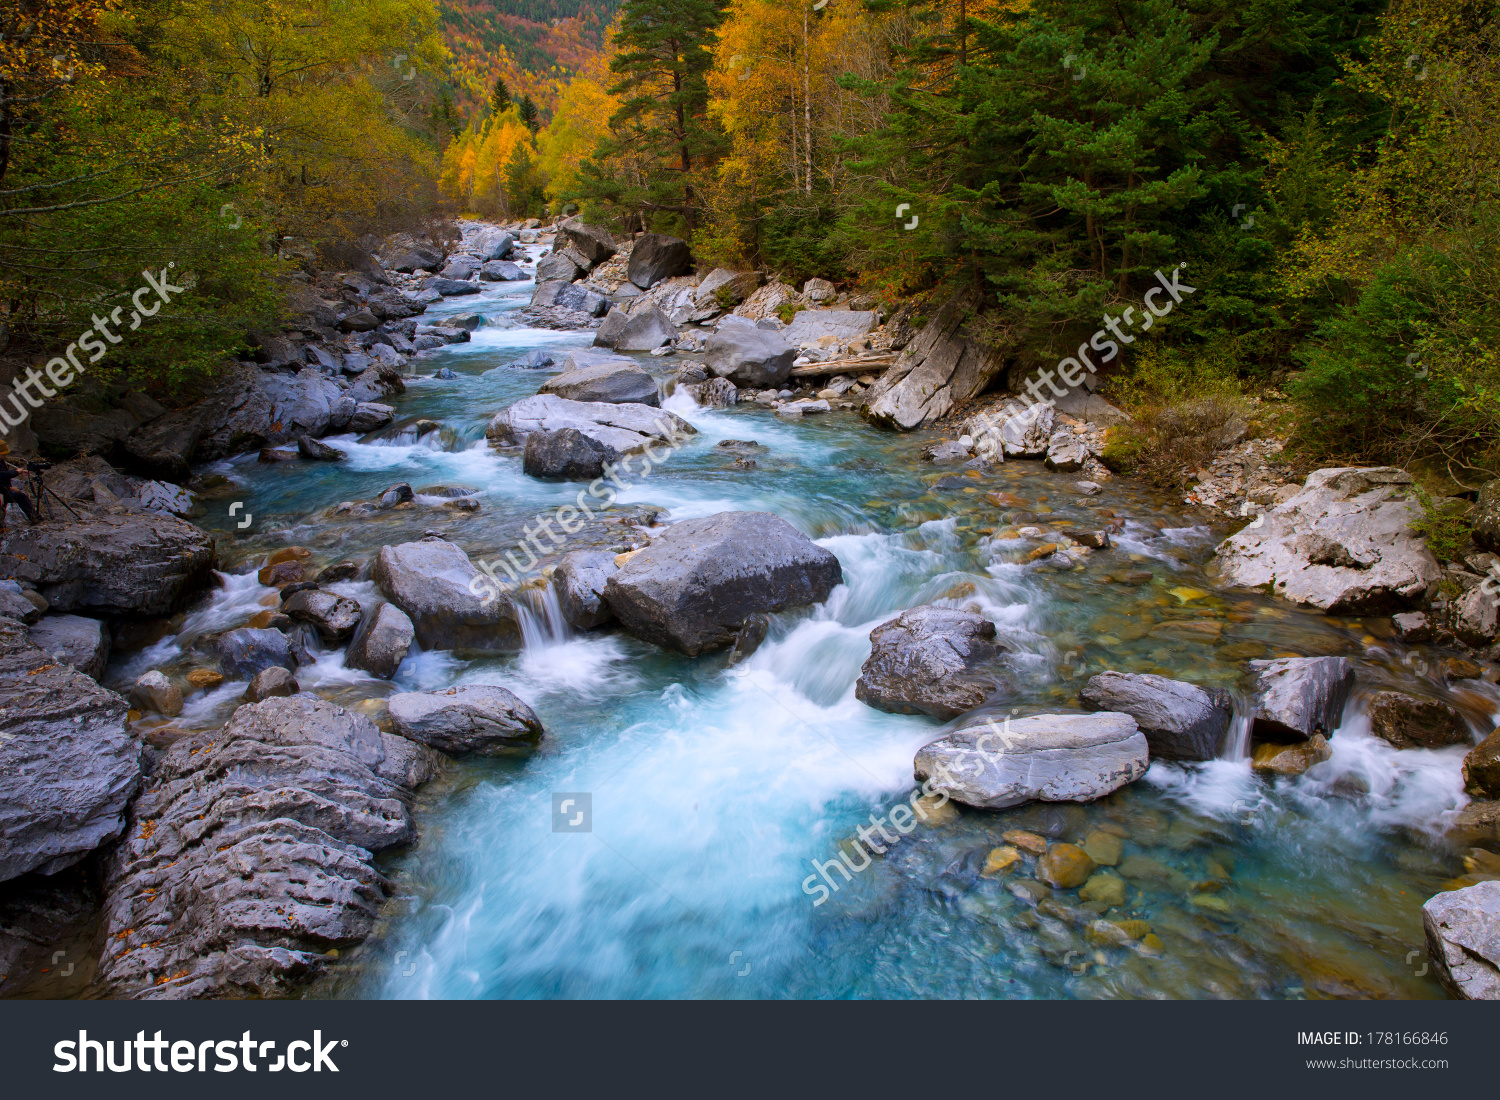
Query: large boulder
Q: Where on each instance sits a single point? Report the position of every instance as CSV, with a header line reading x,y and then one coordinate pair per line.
x,y
450,288
736,286
1295,697
695,586
566,455
622,428
382,642
1476,616
1014,433
574,296
1179,720
461,267
1047,757
474,718
557,267
407,253
75,641
250,856
1463,940
929,660
1066,453
608,378
334,617
645,329
139,564
492,243
656,257
593,242
500,271
244,652
812,325
942,366
580,580
433,581
68,765
1343,544
750,357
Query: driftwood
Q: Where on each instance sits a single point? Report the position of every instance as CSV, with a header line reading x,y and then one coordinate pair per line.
x,y
857,365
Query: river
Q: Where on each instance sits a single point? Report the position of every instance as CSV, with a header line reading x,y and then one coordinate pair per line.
x,y
710,790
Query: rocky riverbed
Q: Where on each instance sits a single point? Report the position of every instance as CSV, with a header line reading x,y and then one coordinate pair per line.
x,y
597,652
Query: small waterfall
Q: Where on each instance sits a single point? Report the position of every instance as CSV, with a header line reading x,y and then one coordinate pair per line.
x,y
1237,743
541,617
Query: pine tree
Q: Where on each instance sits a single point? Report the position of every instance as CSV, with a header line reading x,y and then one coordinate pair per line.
x,y
529,113
500,97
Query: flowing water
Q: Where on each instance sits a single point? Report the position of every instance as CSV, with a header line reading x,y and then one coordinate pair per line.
x,y
707,792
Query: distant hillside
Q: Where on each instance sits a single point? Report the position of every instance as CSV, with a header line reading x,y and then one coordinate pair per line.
x,y
533,44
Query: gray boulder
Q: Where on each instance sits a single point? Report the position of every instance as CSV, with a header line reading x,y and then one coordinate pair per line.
x,y
556,268
138,564
450,288
1295,697
1066,453
434,583
14,605
68,765
811,325
75,641
1463,940
315,451
244,652
656,257
500,271
622,428
941,367
561,295
611,379
929,660
473,718
1476,616
1046,757
1179,720
534,360
579,581
334,617
593,242
1343,544
461,267
1484,517
716,393
251,853
749,357
492,243
407,253
271,683
369,415
566,454
382,642
693,588
646,329
1026,434
738,285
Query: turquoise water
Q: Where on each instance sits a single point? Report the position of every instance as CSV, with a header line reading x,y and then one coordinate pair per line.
x,y
714,790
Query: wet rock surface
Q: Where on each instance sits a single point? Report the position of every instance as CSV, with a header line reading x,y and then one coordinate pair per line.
x,y
250,853
694,587
1180,720
929,660
432,581
1409,722
1463,940
472,718
1295,697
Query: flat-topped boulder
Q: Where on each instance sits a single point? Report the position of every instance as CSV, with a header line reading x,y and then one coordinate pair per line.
x,y
811,325
1295,697
136,564
1046,757
929,660
1463,940
612,379
1343,544
1180,721
623,428
645,328
433,582
250,854
68,764
695,586
470,718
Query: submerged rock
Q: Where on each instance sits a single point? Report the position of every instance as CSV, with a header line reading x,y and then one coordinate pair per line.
x,y
695,585
1181,721
68,765
1463,940
470,718
1046,757
928,660
1273,759
1343,544
1410,723
1295,697
250,854
431,582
